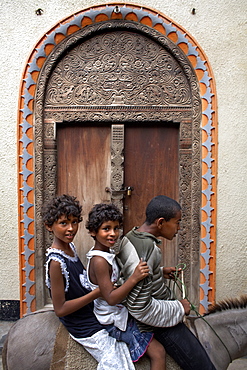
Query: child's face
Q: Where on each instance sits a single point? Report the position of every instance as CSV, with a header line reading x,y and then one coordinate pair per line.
x,y
107,235
65,228
169,229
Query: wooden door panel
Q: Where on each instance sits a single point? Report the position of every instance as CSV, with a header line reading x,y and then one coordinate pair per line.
x,y
83,156
151,167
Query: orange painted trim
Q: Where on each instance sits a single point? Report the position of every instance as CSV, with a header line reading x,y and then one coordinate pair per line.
x,y
26,194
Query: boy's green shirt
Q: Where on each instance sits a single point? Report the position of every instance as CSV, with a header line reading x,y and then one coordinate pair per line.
x,y
150,302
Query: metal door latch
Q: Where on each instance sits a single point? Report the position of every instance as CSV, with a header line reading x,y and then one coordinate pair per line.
x,y
125,191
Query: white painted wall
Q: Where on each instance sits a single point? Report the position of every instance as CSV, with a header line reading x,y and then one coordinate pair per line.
x,y
220,28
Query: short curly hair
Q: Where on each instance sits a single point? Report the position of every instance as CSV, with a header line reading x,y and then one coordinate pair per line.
x,y
101,213
66,205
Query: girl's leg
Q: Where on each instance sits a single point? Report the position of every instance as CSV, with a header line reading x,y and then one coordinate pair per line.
x,y
157,355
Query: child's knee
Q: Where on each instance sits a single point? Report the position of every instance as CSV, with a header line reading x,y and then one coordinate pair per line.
x,y
160,352
156,350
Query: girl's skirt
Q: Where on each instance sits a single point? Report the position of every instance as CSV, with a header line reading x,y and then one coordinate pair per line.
x,y
137,341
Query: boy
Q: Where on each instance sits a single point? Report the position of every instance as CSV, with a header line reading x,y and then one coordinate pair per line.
x,y
150,302
72,302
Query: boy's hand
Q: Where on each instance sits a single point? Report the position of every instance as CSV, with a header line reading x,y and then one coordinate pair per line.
x,y
141,271
169,272
186,306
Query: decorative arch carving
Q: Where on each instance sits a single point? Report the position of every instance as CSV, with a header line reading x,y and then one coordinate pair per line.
x,y
61,90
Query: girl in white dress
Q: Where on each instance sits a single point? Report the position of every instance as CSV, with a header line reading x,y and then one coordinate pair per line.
x,y
104,222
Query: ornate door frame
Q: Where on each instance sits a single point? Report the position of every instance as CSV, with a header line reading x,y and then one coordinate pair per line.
x,y
37,175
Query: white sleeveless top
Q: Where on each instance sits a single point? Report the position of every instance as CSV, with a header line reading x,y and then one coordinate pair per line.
x,y
106,314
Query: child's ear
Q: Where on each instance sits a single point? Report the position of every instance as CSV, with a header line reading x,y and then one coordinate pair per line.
x,y
49,228
160,222
93,234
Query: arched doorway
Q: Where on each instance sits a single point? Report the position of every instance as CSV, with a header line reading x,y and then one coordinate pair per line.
x,y
112,80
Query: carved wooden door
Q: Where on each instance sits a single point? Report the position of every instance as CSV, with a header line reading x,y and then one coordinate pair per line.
x,y
114,80
150,168
120,74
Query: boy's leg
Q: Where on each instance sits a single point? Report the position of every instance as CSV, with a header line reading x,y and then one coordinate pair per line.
x,y
181,344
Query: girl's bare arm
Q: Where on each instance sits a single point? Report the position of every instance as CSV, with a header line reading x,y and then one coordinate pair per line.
x,y
61,306
111,294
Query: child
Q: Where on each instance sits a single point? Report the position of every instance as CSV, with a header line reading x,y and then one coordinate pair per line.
x,y
103,224
151,301
72,302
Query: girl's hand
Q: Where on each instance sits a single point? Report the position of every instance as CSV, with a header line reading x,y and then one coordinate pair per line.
x,y
141,271
97,292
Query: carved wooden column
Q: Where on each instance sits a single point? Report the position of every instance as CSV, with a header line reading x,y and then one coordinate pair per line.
x,y
117,163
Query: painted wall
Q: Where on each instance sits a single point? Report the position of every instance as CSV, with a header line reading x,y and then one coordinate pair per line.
x,y
220,29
